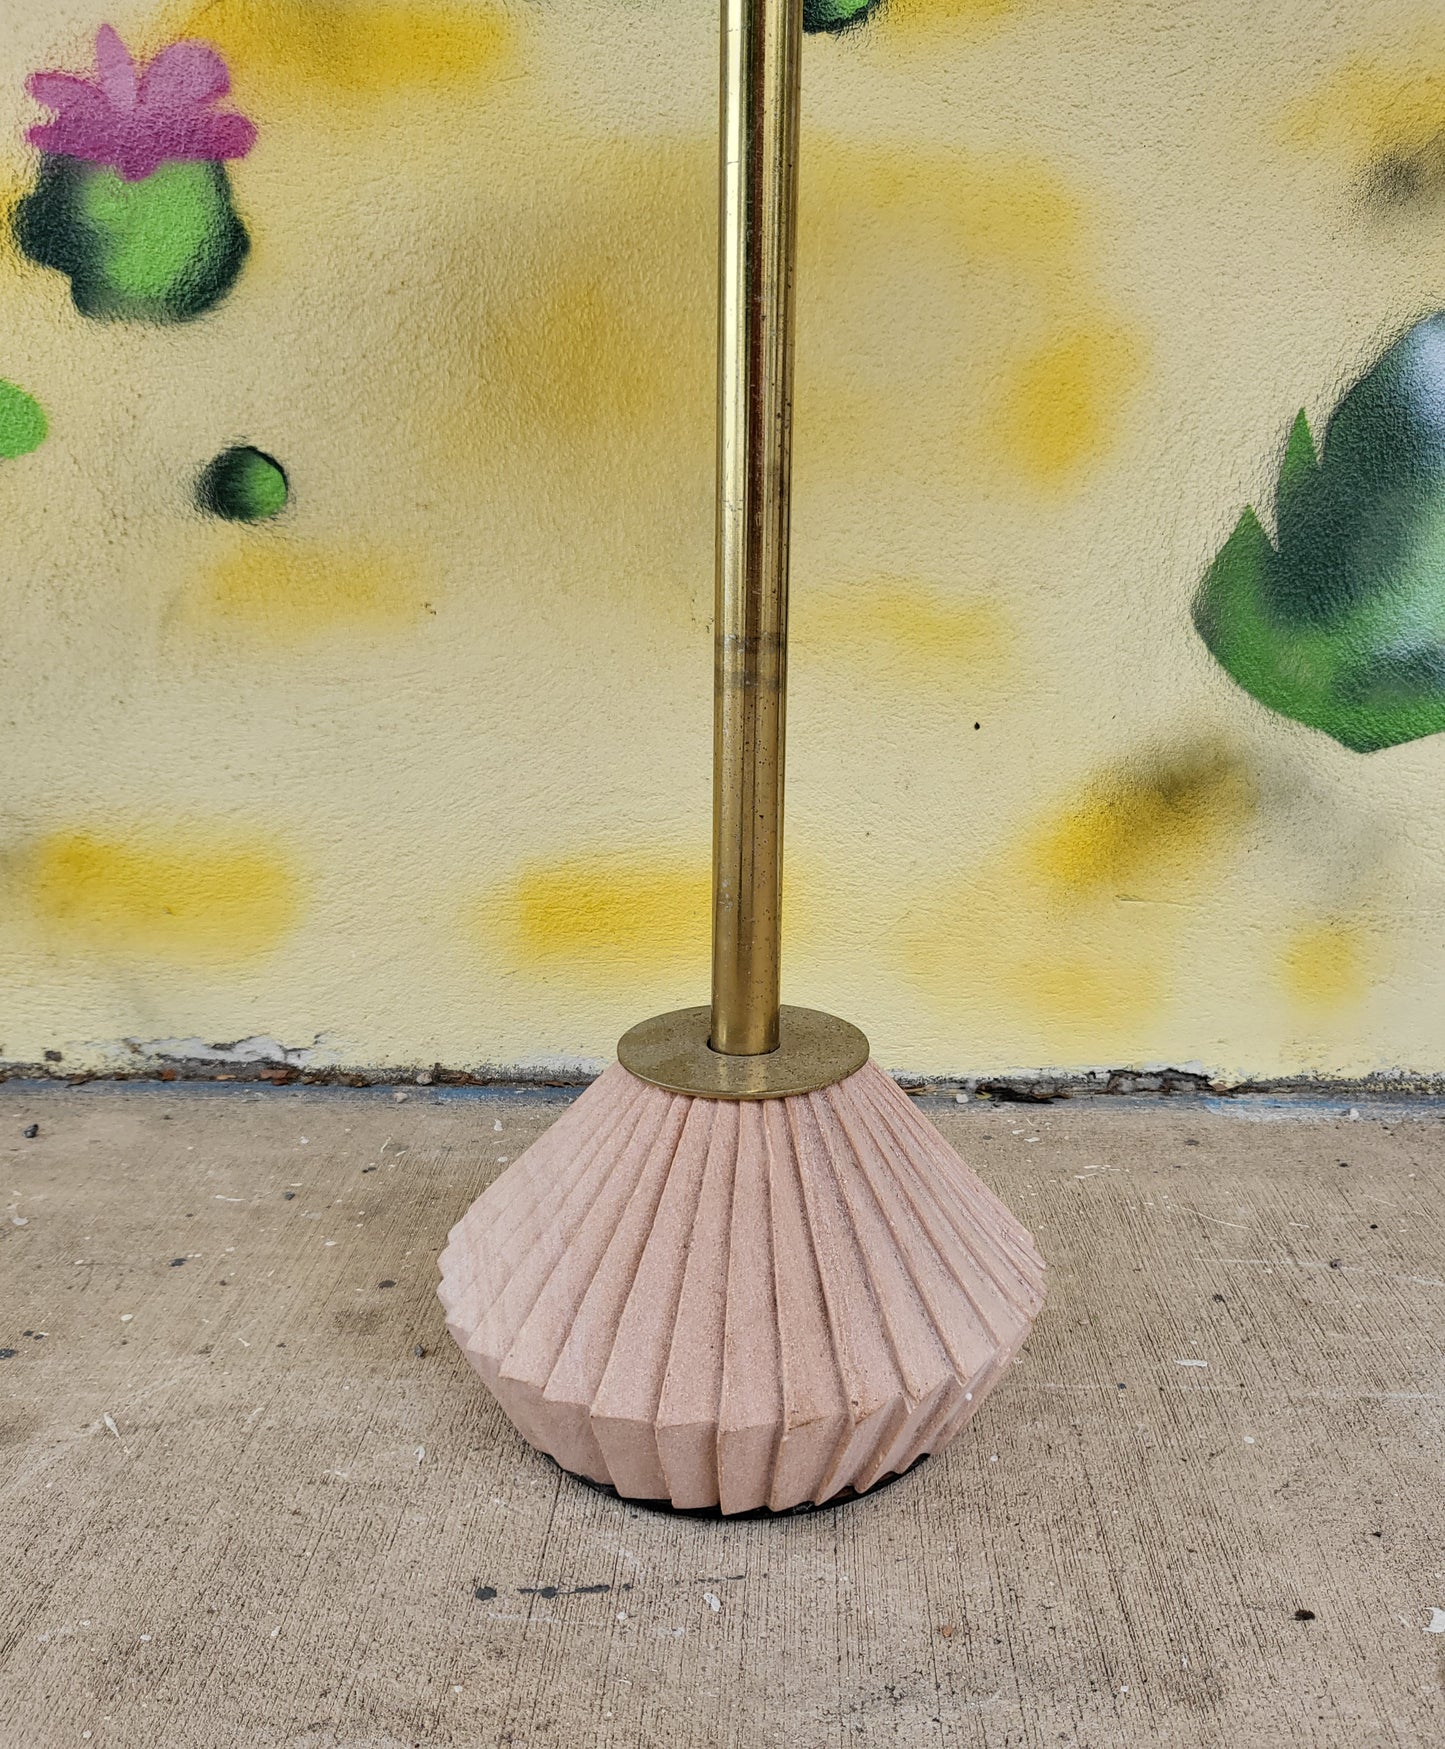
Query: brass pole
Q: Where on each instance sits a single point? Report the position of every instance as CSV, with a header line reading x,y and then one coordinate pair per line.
x,y
761,55
744,1046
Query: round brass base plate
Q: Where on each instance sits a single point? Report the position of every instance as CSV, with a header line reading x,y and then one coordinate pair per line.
x,y
671,1051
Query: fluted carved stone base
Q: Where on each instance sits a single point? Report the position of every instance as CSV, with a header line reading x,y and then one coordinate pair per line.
x,y
740,1304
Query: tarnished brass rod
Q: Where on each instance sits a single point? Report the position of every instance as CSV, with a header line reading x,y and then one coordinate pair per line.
x,y
761,54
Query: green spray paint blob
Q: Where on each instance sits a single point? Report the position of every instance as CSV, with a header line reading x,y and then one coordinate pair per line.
x,y
1339,622
165,248
22,422
836,15
243,485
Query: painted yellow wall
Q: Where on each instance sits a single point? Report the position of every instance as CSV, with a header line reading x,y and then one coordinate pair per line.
x,y
418,770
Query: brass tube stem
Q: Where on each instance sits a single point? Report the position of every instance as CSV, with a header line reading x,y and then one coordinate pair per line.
x,y
761,55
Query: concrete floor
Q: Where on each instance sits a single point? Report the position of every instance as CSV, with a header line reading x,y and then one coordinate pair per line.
x,y
251,1495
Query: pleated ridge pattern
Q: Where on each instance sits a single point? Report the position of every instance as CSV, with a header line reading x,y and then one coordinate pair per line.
x,y
740,1304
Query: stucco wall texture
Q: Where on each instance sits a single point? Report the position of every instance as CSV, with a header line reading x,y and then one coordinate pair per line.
x,y
408,762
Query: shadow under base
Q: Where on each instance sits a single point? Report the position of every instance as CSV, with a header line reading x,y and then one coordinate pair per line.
x,y
844,1498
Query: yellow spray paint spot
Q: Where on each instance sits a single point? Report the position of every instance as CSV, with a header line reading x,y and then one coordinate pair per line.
x,y
949,314
949,303
610,913
1156,823
285,591
614,915
931,14
1326,965
901,632
1104,990
187,901
1076,924
862,205
351,48
1366,110
1061,406
612,336
996,941
580,379
585,349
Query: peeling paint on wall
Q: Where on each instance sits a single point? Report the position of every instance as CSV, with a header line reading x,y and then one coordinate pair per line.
x,y
241,1053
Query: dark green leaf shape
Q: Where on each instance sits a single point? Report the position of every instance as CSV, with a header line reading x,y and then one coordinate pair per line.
x,y
836,15
166,248
1340,621
242,485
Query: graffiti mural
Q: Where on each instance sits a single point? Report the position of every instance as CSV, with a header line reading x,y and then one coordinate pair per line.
x,y
356,531
1339,621
133,202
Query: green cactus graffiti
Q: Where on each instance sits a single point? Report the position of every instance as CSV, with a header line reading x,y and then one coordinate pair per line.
x,y
22,422
1339,621
242,485
162,249
836,15
133,200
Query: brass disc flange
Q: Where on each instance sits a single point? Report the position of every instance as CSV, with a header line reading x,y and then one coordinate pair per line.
x,y
671,1051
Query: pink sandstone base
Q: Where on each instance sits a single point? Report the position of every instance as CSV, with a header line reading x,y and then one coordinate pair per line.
x,y
740,1304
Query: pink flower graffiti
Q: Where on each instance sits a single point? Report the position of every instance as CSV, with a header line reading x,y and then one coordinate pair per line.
x,y
136,121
